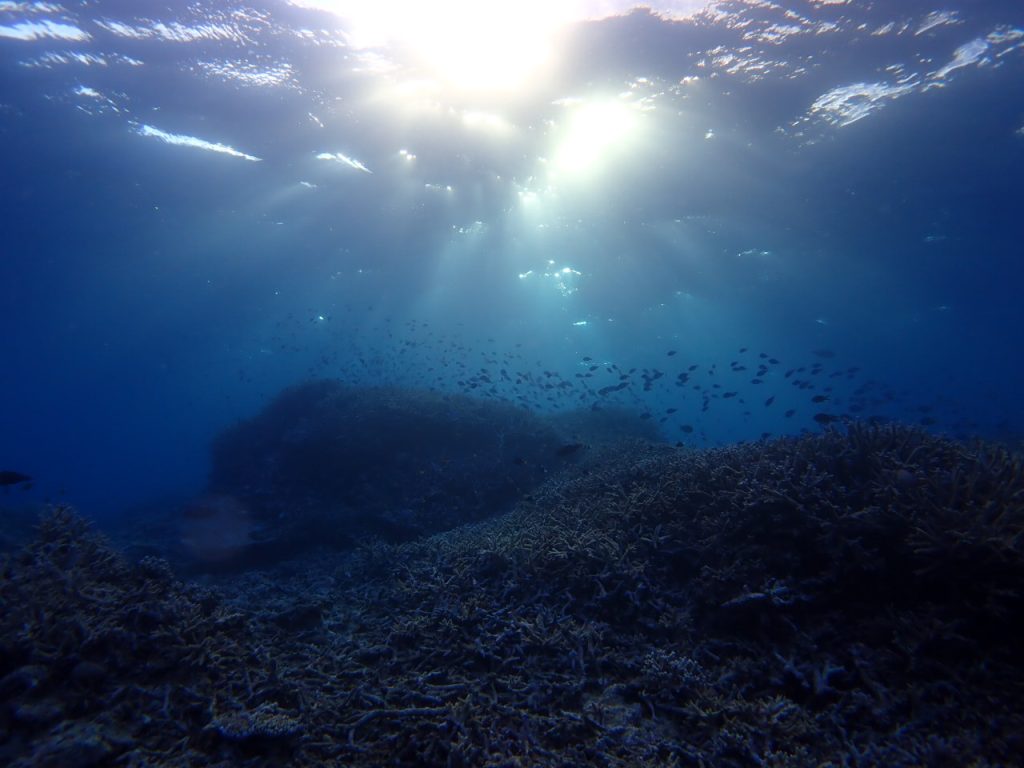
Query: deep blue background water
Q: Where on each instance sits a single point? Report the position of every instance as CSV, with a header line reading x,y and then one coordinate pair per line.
x,y
153,293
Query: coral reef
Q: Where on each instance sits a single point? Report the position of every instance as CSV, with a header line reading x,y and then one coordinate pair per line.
x,y
850,598
328,464
100,659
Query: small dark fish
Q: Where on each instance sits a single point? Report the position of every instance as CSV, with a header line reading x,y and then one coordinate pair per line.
x,y
769,401
587,359
9,477
670,410
730,394
671,352
819,398
824,418
789,413
568,449
686,428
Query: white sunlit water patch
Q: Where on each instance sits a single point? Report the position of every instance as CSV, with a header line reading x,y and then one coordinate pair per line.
x,y
176,32
847,104
12,6
344,159
251,74
92,101
41,30
746,63
937,19
964,56
775,34
1002,35
66,58
191,141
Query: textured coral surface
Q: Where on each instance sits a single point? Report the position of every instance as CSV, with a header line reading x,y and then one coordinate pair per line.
x,y
851,598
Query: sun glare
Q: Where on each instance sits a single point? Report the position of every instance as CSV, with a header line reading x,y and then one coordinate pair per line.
x,y
471,45
593,134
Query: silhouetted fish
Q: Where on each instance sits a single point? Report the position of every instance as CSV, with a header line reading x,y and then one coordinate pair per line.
x,y
10,477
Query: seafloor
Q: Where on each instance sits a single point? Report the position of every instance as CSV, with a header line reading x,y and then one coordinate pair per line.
x,y
848,598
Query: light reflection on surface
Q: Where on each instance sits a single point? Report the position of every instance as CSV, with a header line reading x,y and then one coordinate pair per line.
x,y
467,44
594,133
191,141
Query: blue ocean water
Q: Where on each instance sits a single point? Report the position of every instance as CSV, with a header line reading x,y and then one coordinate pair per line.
x,y
204,203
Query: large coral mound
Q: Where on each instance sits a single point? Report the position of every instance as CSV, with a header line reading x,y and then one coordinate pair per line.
x,y
851,598
325,462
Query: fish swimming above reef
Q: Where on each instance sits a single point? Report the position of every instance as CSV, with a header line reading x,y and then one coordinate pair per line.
x,y
10,477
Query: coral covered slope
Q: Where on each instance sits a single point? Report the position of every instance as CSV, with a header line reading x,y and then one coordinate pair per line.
x,y
851,598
